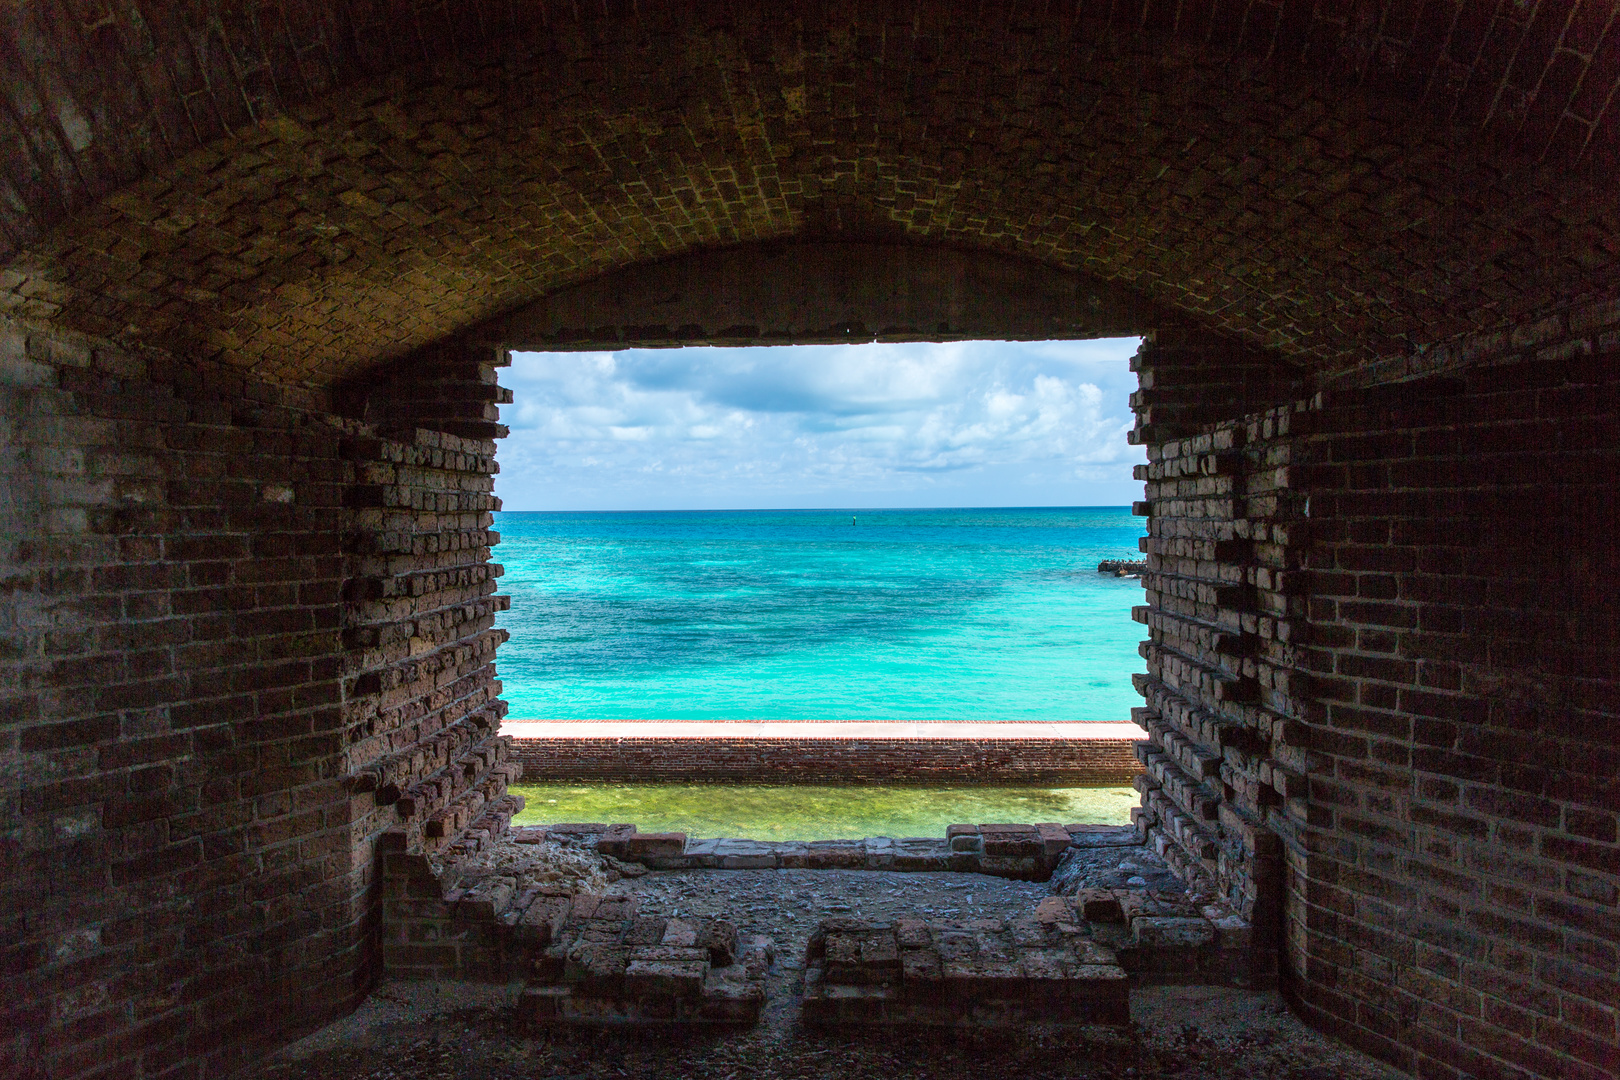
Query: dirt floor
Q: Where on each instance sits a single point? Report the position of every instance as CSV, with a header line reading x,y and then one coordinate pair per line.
x,y
442,1031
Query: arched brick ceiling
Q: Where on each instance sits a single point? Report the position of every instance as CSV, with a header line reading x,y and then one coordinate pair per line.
x,y
305,188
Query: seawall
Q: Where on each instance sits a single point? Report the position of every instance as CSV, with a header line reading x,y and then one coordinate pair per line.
x,y
784,752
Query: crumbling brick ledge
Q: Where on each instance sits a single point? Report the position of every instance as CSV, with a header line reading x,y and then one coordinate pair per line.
x,y
602,963
802,752
1024,852
1039,969
449,922
1070,962
1159,936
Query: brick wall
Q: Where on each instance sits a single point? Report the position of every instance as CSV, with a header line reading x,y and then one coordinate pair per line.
x,y
177,856
1460,913
421,736
1223,761
829,761
240,636
1381,625
451,387
439,923
421,727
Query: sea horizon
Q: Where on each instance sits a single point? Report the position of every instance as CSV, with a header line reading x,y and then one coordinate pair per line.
x,y
819,614
824,509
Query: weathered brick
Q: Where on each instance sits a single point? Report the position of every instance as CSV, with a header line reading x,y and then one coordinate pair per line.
x,y
1426,481
816,759
280,569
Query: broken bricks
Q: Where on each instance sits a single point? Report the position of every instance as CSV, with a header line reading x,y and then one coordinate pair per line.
x,y
604,964
1163,937
981,973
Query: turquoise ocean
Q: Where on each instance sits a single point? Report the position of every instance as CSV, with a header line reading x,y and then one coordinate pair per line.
x,y
895,615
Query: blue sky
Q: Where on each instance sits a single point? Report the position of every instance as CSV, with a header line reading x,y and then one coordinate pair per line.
x,y
981,423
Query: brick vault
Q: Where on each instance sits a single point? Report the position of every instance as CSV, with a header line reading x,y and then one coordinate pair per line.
x,y
259,264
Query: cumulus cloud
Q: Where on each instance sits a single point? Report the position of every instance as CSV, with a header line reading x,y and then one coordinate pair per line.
x,y
959,424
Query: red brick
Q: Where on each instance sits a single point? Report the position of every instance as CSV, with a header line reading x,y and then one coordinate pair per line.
x,y
1467,447
73,733
1601,857
1592,824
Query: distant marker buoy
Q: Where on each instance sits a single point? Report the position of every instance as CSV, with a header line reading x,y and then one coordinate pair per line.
x,y
852,519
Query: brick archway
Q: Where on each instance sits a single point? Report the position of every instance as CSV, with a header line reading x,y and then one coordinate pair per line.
x,y
274,189
248,615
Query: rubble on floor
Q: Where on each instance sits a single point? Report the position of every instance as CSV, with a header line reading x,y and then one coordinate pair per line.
x,y
1069,962
601,963
532,863
1036,970
467,922
531,903
1169,936
1111,858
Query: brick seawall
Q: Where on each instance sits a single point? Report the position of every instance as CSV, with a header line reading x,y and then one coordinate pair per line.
x,y
816,753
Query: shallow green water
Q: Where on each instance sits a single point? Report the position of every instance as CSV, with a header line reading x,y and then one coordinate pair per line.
x,y
762,812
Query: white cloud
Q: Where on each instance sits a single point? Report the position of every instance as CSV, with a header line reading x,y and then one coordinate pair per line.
x,y
960,424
